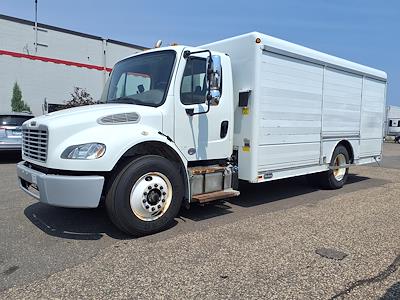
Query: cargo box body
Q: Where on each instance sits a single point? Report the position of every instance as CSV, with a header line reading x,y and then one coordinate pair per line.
x,y
302,103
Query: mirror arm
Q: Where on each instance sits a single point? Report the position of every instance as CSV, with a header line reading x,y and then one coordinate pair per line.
x,y
190,111
187,53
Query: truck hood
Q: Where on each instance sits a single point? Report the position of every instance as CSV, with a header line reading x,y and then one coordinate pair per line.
x,y
110,124
87,116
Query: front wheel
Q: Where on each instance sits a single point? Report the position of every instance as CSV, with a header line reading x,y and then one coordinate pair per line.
x,y
336,177
146,196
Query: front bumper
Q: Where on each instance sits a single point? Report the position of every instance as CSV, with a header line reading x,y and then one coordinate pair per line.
x,y
61,190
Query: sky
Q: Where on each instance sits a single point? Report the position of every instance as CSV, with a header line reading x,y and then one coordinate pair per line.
x,y
364,31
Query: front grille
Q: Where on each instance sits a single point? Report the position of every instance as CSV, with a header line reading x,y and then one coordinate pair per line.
x,y
34,143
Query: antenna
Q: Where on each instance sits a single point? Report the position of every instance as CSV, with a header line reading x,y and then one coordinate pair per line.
x,y
157,45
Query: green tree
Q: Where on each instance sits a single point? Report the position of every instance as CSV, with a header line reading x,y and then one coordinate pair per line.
x,y
17,104
80,97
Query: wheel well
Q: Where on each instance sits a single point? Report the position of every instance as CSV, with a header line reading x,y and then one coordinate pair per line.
x,y
349,149
154,148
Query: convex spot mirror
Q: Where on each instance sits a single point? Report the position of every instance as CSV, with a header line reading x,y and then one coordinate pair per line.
x,y
214,72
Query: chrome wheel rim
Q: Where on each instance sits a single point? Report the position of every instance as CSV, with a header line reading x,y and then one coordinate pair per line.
x,y
339,172
151,196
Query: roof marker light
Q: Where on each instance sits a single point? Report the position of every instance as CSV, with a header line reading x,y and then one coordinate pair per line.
x,y
158,44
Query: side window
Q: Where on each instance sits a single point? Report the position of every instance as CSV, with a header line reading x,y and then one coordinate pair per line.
x,y
194,85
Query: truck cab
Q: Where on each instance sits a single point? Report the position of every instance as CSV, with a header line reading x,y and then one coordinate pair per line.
x,y
176,88
162,133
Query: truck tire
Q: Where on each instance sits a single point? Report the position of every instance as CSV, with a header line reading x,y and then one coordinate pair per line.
x,y
335,179
145,196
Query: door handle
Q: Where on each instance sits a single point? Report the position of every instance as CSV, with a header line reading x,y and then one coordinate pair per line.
x,y
224,129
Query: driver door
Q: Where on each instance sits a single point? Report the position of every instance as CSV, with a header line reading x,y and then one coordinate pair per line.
x,y
209,135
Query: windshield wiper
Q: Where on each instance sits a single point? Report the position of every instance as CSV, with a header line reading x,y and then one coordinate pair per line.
x,y
128,100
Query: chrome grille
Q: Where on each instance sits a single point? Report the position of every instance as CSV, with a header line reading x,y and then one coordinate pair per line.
x,y
34,143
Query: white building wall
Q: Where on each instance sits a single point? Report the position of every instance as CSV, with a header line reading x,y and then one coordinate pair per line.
x,y
41,79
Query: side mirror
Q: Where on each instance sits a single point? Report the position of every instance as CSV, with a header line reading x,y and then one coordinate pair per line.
x,y
214,73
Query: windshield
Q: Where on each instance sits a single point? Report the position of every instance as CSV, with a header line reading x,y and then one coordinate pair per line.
x,y
141,79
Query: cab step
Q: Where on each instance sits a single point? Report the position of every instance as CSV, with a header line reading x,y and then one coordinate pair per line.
x,y
206,170
207,197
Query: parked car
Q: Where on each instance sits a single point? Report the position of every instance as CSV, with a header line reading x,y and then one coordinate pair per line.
x,y
10,130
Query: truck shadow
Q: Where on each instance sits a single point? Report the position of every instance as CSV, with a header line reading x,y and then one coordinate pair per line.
x,y
9,157
256,194
72,223
93,224
277,195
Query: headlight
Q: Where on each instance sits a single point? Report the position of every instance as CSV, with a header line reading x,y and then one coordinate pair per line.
x,y
84,151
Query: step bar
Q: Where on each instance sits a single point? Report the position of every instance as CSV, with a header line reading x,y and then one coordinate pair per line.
x,y
203,198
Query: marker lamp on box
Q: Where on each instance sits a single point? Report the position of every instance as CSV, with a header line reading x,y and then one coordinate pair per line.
x,y
84,151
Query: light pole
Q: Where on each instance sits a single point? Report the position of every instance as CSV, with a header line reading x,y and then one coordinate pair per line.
x,y
36,28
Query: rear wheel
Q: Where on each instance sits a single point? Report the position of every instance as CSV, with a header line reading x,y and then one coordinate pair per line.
x,y
336,177
146,196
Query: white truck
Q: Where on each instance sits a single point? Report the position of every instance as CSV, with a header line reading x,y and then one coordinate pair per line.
x,y
184,124
393,122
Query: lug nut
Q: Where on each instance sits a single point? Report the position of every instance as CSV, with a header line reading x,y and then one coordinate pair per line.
x,y
149,187
147,207
144,200
145,193
156,185
159,206
163,200
153,208
164,193
161,187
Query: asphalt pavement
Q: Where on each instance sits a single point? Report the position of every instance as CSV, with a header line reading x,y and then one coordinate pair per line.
x,y
277,240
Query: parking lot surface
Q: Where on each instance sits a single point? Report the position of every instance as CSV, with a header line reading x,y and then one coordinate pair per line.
x,y
277,240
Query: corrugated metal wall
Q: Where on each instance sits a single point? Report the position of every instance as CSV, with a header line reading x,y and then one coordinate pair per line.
x,y
80,61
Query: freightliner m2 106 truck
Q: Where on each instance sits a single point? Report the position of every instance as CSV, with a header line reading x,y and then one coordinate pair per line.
x,y
179,125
